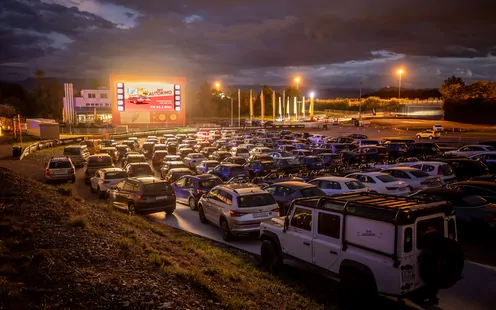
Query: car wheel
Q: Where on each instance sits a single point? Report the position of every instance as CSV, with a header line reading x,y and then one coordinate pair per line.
x,y
99,193
226,232
192,204
418,137
131,209
201,214
271,259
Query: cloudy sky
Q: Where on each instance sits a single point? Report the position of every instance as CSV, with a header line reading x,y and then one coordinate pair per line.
x,y
329,43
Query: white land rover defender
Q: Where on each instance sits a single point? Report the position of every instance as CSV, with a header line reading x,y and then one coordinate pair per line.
x,y
371,243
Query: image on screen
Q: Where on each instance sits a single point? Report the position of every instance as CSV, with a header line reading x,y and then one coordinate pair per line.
x,y
149,97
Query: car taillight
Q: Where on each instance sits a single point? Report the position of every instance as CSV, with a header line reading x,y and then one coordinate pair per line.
x,y
47,171
391,188
103,182
142,197
439,170
236,214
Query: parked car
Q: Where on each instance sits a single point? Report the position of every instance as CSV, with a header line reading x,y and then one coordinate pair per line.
x,y
78,154
383,183
96,162
338,185
133,158
470,150
175,173
142,195
60,169
416,178
205,166
435,168
158,157
189,188
228,171
104,179
168,165
193,159
238,209
139,170
428,134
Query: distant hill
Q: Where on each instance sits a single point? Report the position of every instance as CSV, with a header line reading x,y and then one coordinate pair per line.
x,y
392,92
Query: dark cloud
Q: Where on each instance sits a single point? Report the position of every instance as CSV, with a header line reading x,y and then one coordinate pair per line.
x,y
253,41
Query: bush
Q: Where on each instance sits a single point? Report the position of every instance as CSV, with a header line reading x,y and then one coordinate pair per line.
x,y
473,111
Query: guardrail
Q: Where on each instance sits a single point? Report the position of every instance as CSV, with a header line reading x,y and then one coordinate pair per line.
x,y
45,144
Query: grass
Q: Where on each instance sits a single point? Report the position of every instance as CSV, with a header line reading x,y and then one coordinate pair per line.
x,y
65,189
78,221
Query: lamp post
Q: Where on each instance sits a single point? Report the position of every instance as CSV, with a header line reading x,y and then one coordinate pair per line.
x,y
311,108
217,86
297,81
400,73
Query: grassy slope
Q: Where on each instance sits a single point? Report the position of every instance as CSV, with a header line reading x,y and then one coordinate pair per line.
x,y
59,252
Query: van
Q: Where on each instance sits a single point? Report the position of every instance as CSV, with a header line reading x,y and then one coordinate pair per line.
x,y
93,146
78,154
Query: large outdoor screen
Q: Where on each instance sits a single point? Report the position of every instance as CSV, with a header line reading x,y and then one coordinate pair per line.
x,y
148,100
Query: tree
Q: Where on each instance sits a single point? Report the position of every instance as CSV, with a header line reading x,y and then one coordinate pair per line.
x,y
7,111
481,90
453,88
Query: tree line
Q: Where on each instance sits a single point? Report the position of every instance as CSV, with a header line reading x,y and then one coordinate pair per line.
x,y
473,103
44,99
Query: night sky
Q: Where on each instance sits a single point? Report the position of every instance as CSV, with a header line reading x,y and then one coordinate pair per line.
x,y
328,43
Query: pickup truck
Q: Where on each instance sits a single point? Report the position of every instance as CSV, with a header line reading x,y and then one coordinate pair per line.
x,y
371,243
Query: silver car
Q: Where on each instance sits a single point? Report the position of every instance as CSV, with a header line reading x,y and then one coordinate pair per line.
x,y
60,169
104,179
238,209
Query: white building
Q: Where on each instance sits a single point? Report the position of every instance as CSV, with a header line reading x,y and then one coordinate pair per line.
x,y
92,106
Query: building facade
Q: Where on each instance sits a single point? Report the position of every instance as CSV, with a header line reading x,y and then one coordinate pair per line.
x,y
93,106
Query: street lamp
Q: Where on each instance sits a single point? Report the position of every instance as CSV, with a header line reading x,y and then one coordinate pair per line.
x,y
400,73
312,106
297,80
217,86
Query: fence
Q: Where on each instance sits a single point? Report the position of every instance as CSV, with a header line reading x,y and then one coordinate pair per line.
x,y
41,145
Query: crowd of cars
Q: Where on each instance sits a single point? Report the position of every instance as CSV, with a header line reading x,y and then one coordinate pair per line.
x,y
238,180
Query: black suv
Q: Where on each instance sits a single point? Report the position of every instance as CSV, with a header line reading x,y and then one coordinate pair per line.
x,y
143,195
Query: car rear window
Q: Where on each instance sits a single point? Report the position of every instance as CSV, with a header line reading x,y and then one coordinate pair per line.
x,y
312,192
136,159
99,161
419,173
156,187
142,169
354,185
386,178
209,183
256,200
72,151
115,175
59,164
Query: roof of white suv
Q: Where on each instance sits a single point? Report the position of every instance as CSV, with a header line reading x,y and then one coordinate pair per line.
x,y
242,188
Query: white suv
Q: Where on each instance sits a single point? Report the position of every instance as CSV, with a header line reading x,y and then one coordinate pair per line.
x,y
238,209
372,243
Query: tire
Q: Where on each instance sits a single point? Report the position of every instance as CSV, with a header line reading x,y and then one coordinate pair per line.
x,y
418,137
201,214
99,193
131,209
357,287
226,232
441,262
271,259
192,204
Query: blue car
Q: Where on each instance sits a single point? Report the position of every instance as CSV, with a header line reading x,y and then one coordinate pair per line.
x,y
190,188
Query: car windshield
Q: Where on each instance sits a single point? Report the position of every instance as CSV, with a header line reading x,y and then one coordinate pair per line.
x,y
312,192
60,164
256,200
116,175
386,178
419,174
209,183
156,187
354,185
72,151
473,201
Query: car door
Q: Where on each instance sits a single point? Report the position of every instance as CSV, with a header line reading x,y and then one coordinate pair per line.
x,y
119,196
327,239
330,187
180,189
301,234
94,180
209,205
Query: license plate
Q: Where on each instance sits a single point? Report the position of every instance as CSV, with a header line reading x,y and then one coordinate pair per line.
x,y
261,214
407,276
161,197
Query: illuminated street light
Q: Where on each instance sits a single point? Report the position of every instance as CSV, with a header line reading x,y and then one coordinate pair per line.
x,y
400,73
312,95
312,105
297,80
217,86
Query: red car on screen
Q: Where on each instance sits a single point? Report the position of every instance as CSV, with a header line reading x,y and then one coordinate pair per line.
x,y
139,99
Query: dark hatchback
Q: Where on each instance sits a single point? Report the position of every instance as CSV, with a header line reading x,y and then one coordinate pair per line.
x,y
486,190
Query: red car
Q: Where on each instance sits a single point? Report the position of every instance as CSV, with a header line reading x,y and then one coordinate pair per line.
x,y
139,99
